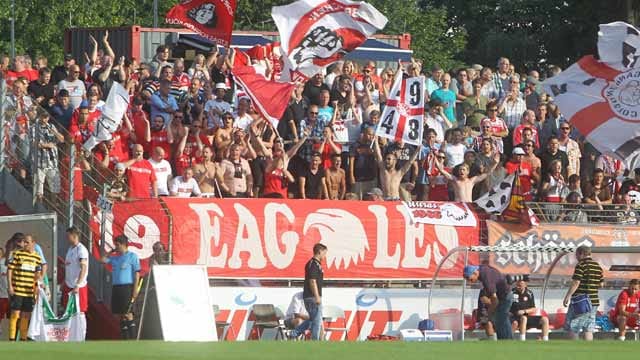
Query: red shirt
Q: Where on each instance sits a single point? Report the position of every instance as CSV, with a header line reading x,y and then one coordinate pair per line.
x,y
141,177
191,140
630,303
159,138
274,183
326,153
120,149
183,162
517,134
140,128
181,81
526,171
497,125
83,132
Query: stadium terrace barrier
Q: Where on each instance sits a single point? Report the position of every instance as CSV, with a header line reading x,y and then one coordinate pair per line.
x,y
567,213
273,239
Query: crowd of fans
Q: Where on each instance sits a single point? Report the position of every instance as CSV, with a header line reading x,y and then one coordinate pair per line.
x,y
191,131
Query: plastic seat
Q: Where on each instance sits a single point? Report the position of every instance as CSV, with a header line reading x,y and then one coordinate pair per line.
x,y
266,317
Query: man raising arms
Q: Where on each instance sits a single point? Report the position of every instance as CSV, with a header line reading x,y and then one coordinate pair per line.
x,y
460,180
390,177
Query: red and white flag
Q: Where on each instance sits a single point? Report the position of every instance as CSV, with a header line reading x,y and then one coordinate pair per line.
x,y
213,19
316,33
601,98
403,115
270,98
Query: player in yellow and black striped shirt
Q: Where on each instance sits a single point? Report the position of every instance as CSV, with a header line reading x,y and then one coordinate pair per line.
x,y
24,271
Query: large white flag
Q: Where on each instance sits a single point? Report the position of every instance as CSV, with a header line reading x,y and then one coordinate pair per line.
x,y
601,98
403,115
112,113
45,326
316,33
498,198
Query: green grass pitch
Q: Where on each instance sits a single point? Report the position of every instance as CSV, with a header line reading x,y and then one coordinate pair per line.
x,y
264,350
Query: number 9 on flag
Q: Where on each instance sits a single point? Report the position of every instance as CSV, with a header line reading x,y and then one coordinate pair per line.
x,y
403,115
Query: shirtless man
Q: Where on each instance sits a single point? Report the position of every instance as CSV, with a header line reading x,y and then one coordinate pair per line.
x,y
460,180
208,173
336,179
223,135
390,178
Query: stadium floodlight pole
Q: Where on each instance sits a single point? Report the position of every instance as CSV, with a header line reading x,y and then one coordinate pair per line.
x,y
13,29
155,13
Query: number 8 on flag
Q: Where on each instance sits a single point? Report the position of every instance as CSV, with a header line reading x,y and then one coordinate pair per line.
x,y
403,115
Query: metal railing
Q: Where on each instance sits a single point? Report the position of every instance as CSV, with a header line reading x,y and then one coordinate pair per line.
x,y
567,213
19,154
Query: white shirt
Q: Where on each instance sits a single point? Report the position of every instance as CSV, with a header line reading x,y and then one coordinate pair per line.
x,y
242,122
455,154
185,188
215,120
437,124
163,173
72,266
4,285
296,306
76,91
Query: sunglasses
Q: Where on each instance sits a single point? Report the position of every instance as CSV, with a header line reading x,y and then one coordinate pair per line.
x,y
492,109
528,145
565,128
486,127
313,113
441,157
76,72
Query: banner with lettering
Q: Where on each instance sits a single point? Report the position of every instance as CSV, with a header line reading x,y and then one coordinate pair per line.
x,y
509,234
266,238
441,213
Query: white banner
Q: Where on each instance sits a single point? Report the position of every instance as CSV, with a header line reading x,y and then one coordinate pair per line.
x,y
370,311
403,115
45,326
441,213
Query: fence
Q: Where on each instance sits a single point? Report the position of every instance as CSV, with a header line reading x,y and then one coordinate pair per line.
x,y
81,183
585,213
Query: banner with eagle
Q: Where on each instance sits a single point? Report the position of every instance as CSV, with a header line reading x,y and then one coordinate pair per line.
x,y
212,19
601,97
316,33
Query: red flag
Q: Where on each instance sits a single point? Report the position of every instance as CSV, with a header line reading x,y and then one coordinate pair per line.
x,y
213,19
269,97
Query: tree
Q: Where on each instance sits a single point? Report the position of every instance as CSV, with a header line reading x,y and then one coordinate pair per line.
x,y
432,39
531,33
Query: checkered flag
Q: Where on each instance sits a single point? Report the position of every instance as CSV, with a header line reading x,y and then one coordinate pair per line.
x,y
498,198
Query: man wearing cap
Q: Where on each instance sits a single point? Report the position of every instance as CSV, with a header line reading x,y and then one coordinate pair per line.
x,y
216,108
516,165
60,72
499,296
376,194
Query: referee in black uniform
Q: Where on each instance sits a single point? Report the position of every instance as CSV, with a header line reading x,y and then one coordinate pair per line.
x,y
312,294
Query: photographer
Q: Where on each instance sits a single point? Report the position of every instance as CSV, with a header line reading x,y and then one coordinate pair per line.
x,y
524,312
499,296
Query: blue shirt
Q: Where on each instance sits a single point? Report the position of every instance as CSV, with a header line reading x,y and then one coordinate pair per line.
x,y
448,99
158,104
124,268
325,115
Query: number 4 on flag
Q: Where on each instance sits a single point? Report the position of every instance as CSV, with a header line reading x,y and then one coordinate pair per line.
x,y
403,116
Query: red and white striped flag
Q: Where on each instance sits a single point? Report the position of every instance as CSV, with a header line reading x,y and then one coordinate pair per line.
x,y
403,115
601,98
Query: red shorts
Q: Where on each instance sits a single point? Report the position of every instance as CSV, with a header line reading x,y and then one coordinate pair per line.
x,y
4,308
83,294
